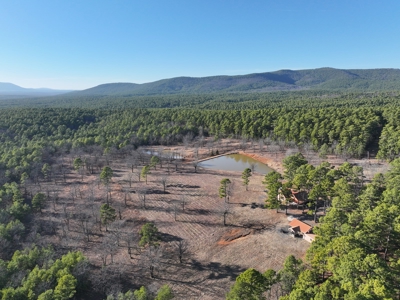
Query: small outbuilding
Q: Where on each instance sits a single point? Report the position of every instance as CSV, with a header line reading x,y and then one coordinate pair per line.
x,y
301,229
300,197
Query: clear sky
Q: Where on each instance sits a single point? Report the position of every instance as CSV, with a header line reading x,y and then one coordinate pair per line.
x,y
77,44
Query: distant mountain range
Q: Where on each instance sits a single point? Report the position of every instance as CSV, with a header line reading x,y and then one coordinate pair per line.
x,y
327,79
12,90
283,80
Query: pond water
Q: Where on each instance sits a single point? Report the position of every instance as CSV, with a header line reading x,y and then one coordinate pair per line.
x,y
234,162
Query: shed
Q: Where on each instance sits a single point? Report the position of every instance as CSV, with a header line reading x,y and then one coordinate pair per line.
x,y
300,197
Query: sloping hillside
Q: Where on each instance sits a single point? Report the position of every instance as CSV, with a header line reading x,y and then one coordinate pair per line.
x,y
315,79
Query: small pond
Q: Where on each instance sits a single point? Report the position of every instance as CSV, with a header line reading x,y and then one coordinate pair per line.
x,y
234,162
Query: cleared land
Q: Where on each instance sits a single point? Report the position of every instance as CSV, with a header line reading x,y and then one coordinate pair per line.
x,y
189,210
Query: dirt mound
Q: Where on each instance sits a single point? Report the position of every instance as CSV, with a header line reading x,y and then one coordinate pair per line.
x,y
234,235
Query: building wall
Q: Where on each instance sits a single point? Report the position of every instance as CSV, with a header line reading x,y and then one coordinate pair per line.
x,y
307,238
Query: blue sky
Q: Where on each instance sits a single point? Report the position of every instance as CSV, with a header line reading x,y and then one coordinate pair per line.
x,y
73,44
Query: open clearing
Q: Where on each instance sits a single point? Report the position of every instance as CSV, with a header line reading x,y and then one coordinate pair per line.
x,y
252,237
218,253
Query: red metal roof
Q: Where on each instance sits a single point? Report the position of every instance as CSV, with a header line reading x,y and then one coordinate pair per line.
x,y
304,228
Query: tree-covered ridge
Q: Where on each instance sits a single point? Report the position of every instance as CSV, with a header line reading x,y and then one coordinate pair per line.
x,y
283,80
226,100
27,134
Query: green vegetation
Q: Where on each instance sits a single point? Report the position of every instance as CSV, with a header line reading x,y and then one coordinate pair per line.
x,y
164,293
42,277
246,177
38,201
107,214
154,161
355,255
106,175
224,188
149,235
272,182
145,172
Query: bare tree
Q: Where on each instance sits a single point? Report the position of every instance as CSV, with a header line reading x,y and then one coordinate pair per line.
x,y
281,144
150,259
133,161
164,181
78,191
141,155
182,249
210,146
132,243
87,224
261,145
119,207
72,193
141,194
201,137
169,158
177,163
109,247
175,209
54,199
90,163
138,173
253,145
161,156
106,280
252,167
224,211
66,215
187,139
117,230
127,194
195,164
103,253
243,144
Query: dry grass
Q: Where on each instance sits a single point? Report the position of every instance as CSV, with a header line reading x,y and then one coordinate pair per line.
x,y
214,262
211,268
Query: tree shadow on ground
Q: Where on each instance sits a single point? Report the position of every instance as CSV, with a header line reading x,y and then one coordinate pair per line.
x,y
184,186
166,237
218,270
157,192
198,211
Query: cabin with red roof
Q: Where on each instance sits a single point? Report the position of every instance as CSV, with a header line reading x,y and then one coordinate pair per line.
x,y
299,228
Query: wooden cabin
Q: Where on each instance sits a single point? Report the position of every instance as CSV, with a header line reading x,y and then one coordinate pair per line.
x,y
299,228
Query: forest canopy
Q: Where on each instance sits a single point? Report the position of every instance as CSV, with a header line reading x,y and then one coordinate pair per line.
x,y
361,224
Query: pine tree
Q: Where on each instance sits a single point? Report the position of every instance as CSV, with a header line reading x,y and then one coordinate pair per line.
x,y
223,189
245,176
107,214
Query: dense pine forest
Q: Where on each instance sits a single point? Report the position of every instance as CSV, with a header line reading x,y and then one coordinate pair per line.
x,y
356,253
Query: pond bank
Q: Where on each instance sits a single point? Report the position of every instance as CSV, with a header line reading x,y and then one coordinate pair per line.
x,y
274,161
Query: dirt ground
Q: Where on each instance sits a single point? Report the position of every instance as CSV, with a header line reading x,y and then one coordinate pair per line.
x,y
252,237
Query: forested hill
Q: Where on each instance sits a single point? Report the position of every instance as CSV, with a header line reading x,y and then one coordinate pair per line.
x,y
10,90
283,80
